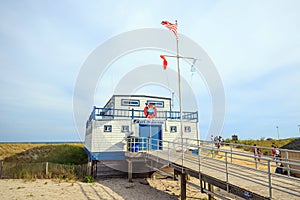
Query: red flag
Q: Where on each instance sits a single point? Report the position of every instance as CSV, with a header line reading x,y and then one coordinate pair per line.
x,y
172,27
165,63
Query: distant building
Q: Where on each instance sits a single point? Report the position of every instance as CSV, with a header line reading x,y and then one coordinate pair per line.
x,y
234,137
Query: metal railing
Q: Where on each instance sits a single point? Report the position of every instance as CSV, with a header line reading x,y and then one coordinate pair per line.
x,y
227,163
109,113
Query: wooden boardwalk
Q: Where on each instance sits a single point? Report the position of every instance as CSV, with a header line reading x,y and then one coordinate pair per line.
x,y
239,179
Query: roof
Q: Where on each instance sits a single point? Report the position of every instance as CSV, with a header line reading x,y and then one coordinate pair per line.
x,y
142,96
293,145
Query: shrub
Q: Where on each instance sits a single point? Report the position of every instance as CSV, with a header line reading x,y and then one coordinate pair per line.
x,y
88,179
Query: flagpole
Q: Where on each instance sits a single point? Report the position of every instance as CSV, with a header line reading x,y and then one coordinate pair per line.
x,y
180,99
173,28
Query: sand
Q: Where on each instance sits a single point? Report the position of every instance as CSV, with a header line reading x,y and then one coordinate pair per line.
x,y
104,189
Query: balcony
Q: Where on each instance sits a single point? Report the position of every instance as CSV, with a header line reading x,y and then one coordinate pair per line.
x,y
109,113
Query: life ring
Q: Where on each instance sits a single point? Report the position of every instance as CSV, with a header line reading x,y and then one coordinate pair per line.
x,y
150,111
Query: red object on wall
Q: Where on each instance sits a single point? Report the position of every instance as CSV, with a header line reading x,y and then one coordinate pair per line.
x,y
150,111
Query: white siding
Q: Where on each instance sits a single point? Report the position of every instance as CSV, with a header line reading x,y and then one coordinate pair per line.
x,y
97,140
88,136
176,136
109,141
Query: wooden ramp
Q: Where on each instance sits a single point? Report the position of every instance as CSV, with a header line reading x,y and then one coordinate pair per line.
x,y
242,180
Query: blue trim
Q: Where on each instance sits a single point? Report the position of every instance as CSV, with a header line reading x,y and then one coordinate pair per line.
x,y
131,113
114,155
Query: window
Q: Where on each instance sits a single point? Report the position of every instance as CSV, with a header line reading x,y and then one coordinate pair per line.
x,y
125,129
130,102
173,129
158,104
107,128
187,129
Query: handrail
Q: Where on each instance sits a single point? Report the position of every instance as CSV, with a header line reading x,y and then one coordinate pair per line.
x,y
172,152
241,145
104,113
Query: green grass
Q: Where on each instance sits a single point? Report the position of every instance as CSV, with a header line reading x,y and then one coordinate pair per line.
x,y
262,143
37,153
29,161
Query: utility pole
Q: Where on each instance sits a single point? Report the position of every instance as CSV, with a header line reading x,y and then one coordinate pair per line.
x,y
277,131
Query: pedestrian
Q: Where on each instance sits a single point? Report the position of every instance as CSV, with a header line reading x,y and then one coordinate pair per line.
x,y
277,154
273,152
222,141
216,138
279,169
254,150
219,142
259,154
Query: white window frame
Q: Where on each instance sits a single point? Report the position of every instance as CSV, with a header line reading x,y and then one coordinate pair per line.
x,y
173,129
125,130
130,102
187,129
107,128
158,104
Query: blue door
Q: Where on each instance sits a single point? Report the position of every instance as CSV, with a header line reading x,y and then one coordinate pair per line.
x,y
151,133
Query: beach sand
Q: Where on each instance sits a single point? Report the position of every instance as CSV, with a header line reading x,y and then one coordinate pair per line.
x,y
103,189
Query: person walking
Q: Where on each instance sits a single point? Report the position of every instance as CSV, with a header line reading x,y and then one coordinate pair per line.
x,y
277,154
259,154
254,150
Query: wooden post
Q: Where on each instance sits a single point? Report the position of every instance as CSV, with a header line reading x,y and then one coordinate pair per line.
x,y
89,170
201,183
183,186
176,172
129,171
47,169
211,189
1,166
94,169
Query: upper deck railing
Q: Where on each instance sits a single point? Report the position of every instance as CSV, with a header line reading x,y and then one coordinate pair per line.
x,y
109,113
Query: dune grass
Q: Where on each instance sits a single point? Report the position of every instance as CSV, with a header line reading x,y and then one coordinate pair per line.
x,y
262,143
36,153
22,160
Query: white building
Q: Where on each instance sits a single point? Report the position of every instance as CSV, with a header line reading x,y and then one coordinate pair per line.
x,y
146,117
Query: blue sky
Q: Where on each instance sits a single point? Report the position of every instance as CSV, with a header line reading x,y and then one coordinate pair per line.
x,y
255,45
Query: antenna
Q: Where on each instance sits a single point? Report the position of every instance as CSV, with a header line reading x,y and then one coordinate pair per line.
x,y
172,102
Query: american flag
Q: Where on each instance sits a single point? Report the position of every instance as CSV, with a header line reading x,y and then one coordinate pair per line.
x,y
172,27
